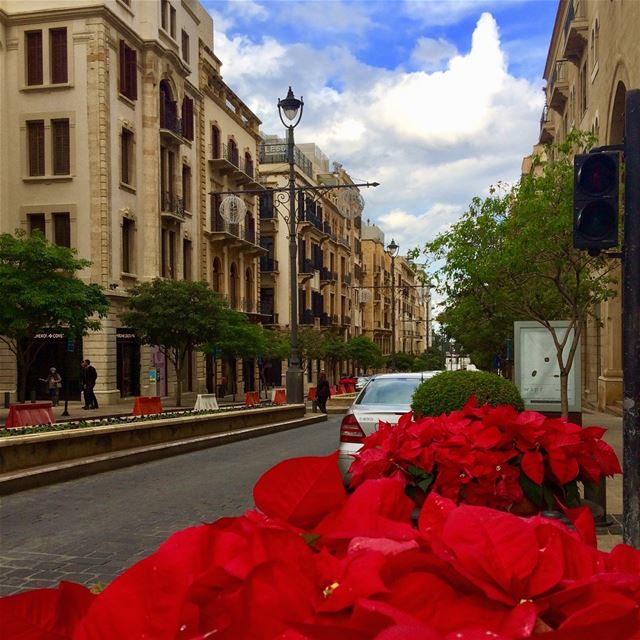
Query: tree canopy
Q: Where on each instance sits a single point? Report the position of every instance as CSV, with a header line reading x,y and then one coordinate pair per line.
x,y
512,254
40,291
364,352
179,316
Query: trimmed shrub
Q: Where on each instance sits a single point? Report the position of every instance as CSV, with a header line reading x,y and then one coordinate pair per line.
x,y
450,390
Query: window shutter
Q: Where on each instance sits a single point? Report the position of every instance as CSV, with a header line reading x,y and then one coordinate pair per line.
x,y
62,229
123,68
58,42
34,57
35,132
61,149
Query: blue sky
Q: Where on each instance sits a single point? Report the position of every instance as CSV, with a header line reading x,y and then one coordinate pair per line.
x,y
437,100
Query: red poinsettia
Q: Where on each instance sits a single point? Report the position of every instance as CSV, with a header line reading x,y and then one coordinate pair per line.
x,y
317,564
488,456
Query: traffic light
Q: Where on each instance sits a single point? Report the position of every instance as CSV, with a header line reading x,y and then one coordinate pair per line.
x,y
595,201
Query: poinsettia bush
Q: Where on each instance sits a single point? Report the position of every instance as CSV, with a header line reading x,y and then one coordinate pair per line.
x,y
488,456
315,563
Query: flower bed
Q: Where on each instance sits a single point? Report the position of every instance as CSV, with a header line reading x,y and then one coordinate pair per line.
x,y
316,563
488,456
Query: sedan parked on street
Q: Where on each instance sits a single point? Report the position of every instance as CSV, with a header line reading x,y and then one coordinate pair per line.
x,y
361,381
385,397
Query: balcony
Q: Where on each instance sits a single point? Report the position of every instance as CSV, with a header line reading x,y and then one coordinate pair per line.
x,y
325,320
306,317
346,278
309,221
277,153
327,277
345,243
576,32
559,86
235,235
547,130
226,160
172,207
170,123
268,265
346,321
305,270
249,306
270,318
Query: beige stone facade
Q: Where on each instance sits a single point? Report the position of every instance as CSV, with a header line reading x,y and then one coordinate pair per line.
x,y
411,314
105,117
329,249
593,60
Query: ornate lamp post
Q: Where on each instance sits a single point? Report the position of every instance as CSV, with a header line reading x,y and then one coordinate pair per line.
x,y
292,109
392,250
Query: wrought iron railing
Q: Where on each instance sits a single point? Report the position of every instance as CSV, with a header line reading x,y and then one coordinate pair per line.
x,y
268,264
276,153
171,203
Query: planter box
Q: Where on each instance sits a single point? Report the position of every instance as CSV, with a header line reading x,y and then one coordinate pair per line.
x,y
39,449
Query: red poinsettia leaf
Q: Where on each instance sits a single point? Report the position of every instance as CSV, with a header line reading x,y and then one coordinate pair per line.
x,y
624,558
533,465
593,432
301,491
44,614
434,514
409,632
564,469
383,545
583,521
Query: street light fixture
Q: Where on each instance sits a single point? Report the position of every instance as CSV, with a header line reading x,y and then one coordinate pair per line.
x,y
292,109
392,250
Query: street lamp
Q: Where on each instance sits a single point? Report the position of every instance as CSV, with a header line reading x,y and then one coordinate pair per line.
x,y
392,250
292,109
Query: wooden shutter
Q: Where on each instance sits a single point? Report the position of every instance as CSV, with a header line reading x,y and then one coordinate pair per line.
x,y
35,133
61,149
58,43
125,152
187,118
33,46
62,229
132,73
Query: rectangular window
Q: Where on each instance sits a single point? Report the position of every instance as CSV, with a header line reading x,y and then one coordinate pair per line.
x,y
172,254
187,118
128,71
36,223
583,88
186,187
62,229
127,245
186,257
164,14
185,46
172,22
126,153
163,252
58,45
35,143
33,48
60,147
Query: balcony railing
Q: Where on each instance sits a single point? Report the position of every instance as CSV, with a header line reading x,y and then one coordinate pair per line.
x,y
306,317
346,320
241,231
268,265
344,242
346,278
246,305
306,265
325,320
172,204
170,121
277,153
328,276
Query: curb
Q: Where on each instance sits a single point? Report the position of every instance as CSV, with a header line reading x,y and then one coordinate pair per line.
x,y
14,482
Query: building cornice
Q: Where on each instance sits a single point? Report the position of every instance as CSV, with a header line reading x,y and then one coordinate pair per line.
x,y
555,35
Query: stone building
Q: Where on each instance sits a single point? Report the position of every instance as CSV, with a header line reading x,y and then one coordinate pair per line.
x,y
108,116
411,315
329,249
592,62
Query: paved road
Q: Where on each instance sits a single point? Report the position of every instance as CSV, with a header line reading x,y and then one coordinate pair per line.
x,y
89,530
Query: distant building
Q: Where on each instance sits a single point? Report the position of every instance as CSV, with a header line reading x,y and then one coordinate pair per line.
x,y
593,60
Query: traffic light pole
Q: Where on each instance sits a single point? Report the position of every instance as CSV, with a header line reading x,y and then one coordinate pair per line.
x,y
631,324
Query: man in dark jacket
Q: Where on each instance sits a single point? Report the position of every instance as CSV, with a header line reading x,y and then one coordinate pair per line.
x,y
89,378
323,392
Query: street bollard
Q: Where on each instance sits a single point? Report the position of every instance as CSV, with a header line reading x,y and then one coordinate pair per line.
x,y
7,399
598,498
65,413
314,406
32,396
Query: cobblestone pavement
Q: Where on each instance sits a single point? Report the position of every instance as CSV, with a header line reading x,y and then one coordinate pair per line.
x,y
88,530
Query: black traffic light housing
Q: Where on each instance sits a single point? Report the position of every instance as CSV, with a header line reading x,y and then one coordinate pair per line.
x,y
595,201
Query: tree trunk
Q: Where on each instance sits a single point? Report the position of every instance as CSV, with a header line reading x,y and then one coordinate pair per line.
x,y
564,393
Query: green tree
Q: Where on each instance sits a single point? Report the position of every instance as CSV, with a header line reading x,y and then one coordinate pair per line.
x,y
310,346
364,352
179,316
334,349
40,290
403,361
432,359
513,252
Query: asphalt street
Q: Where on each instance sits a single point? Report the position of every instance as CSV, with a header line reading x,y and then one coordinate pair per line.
x,y
88,530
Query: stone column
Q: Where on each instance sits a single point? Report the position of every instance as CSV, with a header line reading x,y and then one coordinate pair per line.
x,y
610,379
100,348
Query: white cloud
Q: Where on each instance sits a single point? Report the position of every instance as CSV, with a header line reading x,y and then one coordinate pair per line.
x,y
432,139
248,9
429,53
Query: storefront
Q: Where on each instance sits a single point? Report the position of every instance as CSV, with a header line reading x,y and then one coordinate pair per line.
x,y
127,363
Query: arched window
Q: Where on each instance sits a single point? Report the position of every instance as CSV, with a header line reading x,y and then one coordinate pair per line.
x,y
248,164
168,108
233,157
215,279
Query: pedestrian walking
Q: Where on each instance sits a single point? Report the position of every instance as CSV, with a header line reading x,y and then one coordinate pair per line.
x,y
54,384
323,392
89,380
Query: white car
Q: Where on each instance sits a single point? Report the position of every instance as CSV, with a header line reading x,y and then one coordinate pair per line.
x,y
385,397
361,381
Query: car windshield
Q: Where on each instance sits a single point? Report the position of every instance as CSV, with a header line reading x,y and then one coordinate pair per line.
x,y
389,391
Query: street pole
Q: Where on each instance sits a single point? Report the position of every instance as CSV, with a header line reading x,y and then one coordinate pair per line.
x,y
631,324
393,313
289,107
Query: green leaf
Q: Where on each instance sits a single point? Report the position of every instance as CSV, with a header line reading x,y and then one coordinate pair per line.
x,y
531,489
571,494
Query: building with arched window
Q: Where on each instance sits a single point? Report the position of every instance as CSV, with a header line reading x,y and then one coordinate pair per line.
x,y
593,57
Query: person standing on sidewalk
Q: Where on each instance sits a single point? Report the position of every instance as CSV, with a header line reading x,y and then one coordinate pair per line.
x,y
323,392
54,384
90,376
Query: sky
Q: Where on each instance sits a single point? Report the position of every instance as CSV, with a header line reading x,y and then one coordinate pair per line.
x,y
434,99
